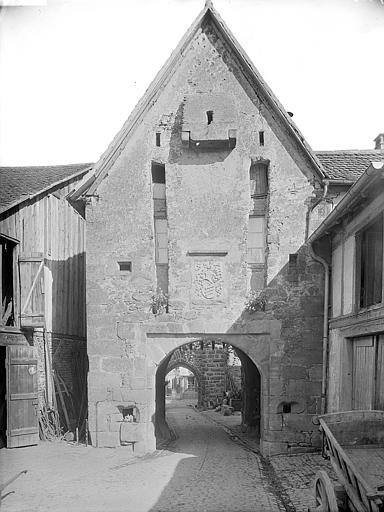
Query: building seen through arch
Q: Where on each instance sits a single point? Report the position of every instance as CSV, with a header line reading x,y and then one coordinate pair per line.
x,y
210,374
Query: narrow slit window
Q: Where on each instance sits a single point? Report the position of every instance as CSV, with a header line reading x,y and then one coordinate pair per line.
x,y
158,139
209,116
292,268
293,262
261,138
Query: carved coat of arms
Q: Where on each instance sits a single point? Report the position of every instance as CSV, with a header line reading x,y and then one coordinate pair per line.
x,y
208,280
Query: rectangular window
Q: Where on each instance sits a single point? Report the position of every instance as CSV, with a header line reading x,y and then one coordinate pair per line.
x,y
159,191
256,252
258,175
258,180
158,173
256,240
370,264
159,200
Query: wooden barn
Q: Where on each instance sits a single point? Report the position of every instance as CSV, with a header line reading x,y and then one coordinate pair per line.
x,y
43,323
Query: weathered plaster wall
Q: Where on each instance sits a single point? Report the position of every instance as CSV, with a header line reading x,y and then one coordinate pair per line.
x,y
208,203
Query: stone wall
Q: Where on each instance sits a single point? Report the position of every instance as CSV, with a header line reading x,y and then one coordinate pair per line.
x,y
210,361
208,205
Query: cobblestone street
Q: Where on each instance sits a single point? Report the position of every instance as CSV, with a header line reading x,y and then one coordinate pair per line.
x,y
220,475
203,470
206,469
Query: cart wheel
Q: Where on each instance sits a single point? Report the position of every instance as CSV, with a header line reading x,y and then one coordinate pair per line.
x,y
325,494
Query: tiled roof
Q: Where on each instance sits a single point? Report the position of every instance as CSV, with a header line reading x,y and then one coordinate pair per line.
x,y
348,164
17,183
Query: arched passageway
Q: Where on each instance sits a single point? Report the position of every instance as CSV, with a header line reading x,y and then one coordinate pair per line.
x,y
226,376
183,382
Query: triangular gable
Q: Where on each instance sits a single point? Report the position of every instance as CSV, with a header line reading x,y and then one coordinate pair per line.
x,y
93,179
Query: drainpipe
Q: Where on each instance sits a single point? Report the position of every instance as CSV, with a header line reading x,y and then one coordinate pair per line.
x,y
326,300
325,327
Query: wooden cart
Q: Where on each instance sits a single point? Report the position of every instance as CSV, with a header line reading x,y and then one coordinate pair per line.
x,y
354,443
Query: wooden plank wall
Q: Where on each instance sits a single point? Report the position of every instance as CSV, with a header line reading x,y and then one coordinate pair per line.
x,y
50,226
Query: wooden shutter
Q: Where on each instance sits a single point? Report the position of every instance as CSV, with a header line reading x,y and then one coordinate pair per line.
x,y
22,422
31,270
363,375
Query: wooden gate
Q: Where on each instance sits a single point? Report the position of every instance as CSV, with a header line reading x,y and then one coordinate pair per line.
x,y
22,421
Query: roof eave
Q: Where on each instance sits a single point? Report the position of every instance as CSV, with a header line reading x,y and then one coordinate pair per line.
x,y
29,197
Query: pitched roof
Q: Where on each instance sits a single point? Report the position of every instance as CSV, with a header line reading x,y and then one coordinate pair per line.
x,y
20,183
348,165
208,14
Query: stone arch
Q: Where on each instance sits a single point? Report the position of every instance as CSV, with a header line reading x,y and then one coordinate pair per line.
x,y
256,359
185,364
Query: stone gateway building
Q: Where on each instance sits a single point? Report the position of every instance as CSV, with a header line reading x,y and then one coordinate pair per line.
x,y
197,219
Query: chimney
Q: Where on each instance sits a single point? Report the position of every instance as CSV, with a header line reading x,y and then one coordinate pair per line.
x,y
379,141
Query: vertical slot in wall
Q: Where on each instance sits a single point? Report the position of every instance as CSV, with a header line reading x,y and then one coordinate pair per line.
x,y
161,225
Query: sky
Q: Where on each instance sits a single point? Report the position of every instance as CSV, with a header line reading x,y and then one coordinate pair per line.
x,y
71,71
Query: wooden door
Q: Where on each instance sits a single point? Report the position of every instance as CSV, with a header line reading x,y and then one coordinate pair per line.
x,y
380,374
22,422
32,305
363,376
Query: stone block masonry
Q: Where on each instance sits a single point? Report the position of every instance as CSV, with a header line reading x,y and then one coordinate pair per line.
x,y
208,208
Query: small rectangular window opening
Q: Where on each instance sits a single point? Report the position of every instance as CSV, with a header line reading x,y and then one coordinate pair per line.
x,y
261,138
209,116
158,173
158,139
125,266
129,414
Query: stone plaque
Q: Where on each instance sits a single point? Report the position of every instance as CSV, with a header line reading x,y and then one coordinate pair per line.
x,y
208,281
